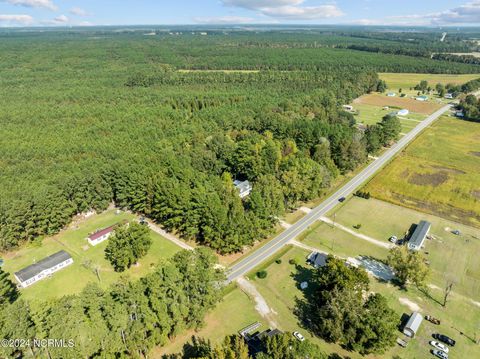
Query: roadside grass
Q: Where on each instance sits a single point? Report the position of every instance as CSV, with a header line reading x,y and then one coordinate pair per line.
x,y
292,217
451,257
396,81
333,240
437,173
235,312
86,259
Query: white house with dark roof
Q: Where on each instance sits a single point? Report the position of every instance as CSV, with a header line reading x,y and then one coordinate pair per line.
x,y
43,269
244,188
100,236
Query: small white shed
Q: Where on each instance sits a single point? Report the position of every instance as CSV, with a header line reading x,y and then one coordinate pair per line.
x,y
413,324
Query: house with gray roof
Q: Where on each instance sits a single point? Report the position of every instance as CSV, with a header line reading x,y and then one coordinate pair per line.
x,y
43,269
244,188
415,243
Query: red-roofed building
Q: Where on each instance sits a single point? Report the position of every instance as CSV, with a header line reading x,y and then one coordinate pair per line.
x,y
100,236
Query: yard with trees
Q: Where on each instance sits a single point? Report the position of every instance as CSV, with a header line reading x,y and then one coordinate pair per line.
x,y
345,313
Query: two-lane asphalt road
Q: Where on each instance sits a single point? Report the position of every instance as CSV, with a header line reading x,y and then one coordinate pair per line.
x,y
250,262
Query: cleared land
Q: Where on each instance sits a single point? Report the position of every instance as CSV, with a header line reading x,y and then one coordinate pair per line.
x,y
86,259
410,104
437,173
451,257
405,81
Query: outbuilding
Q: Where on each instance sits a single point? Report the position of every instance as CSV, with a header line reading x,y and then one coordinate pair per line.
x,y
421,98
403,112
391,94
43,268
415,243
413,324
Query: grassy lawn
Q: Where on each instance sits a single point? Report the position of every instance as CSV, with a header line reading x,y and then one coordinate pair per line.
x,y
86,258
437,173
333,240
453,321
235,312
396,81
280,289
451,257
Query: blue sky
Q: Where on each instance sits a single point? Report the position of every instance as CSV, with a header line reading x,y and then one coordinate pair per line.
x,y
137,12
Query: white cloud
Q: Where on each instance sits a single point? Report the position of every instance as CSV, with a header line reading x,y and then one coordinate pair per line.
x,y
78,11
46,4
287,9
464,14
16,19
219,20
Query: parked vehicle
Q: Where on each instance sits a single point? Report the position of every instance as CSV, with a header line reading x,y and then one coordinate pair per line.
x,y
432,320
341,199
456,232
439,354
439,346
444,339
299,336
393,239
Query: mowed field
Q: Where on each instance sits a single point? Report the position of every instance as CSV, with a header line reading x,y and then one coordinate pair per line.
x,y
381,100
438,173
396,81
86,259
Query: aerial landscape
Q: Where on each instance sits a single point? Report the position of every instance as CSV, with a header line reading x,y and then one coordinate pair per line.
x,y
239,179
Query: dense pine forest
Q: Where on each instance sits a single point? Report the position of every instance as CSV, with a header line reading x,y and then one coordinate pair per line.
x,y
88,118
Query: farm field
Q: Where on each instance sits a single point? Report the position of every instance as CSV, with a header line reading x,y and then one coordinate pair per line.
x,y
381,100
396,81
437,173
451,257
86,259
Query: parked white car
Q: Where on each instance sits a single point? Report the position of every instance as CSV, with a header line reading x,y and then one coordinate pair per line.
x,y
299,336
439,346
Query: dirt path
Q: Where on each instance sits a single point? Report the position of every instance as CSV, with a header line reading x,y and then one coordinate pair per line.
x,y
306,247
358,235
168,236
261,305
414,307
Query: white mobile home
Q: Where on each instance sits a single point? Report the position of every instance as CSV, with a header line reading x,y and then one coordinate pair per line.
x,y
43,269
